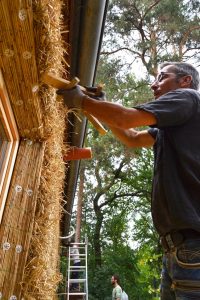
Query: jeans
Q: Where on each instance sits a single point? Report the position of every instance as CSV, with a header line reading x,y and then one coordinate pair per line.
x,y
75,275
180,279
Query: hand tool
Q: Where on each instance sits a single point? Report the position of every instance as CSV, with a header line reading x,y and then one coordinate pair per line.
x,y
60,83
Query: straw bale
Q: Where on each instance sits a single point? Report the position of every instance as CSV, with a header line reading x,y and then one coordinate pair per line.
x,y
42,274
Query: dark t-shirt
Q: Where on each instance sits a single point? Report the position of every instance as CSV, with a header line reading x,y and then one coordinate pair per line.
x,y
176,182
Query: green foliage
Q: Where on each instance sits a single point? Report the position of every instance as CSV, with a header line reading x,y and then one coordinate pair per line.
x,y
101,288
119,261
125,215
63,271
124,89
153,31
138,270
148,262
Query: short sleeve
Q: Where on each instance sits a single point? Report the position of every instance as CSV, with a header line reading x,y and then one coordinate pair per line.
x,y
172,109
118,292
153,132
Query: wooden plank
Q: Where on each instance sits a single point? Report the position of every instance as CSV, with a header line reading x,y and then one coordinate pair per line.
x,y
18,217
18,63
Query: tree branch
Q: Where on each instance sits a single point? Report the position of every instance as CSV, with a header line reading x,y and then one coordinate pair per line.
x,y
115,196
150,8
117,50
108,186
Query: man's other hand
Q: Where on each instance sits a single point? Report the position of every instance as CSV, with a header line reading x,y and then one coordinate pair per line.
x,y
95,93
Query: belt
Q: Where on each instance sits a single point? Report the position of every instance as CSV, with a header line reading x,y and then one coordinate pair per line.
x,y
174,239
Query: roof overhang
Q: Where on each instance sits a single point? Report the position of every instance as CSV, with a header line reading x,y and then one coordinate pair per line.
x,y
87,19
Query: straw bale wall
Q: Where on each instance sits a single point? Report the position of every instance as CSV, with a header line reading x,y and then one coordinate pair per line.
x,y
31,44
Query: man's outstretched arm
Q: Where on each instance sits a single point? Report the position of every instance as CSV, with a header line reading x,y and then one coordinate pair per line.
x,y
132,138
112,114
120,119
118,116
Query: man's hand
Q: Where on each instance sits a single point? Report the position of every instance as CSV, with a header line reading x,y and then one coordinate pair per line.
x,y
73,98
95,93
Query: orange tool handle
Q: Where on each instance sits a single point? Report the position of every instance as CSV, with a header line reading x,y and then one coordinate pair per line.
x,y
78,153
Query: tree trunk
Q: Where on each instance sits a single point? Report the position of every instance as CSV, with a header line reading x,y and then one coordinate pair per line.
x,y
97,236
79,205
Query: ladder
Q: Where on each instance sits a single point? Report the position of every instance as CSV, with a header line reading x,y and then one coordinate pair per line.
x,y
81,272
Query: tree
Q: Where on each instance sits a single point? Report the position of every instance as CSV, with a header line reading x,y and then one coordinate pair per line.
x,y
79,204
117,197
153,31
105,186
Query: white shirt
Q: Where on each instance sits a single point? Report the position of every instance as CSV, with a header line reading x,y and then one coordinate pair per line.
x,y
75,254
124,296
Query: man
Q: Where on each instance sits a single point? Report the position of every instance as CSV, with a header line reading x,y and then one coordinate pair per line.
x,y
74,255
117,290
174,120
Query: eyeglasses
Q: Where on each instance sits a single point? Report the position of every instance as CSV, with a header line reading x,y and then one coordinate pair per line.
x,y
162,75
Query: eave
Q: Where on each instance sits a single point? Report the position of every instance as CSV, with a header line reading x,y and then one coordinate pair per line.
x,y
86,31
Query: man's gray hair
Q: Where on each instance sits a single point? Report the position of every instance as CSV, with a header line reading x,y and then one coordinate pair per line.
x,y
182,69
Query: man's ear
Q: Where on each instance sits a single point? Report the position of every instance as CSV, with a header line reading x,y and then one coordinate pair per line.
x,y
186,81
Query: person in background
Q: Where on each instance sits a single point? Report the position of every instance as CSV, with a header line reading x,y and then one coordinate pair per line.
x,y
174,133
117,290
74,253
124,295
